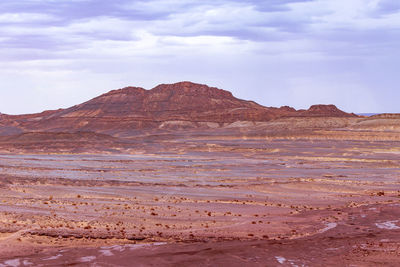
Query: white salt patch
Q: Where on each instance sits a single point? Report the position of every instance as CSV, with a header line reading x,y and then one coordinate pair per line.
x,y
332,249
329,226
27,263
363,215
137,246
88,259
53,257
280,259
158,243
13,263
390,225
110,250
106,252
118,248
293,264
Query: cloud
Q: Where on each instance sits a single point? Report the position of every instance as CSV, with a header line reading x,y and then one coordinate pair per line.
x,y
268,51
384,7
25,18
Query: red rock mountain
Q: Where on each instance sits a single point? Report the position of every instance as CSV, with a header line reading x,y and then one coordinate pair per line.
x,y
184,104
324,111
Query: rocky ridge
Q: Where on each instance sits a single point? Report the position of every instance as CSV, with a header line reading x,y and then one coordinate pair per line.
x,y
179,105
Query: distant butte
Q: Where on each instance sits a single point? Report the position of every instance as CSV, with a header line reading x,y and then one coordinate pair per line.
x,y
180,105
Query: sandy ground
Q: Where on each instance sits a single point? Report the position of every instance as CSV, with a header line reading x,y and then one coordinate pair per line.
x,y
238,202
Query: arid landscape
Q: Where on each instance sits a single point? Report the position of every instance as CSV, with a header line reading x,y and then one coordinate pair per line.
x,y
187,175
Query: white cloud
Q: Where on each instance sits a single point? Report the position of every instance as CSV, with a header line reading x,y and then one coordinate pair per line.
x,y
272,56
345,15
26,18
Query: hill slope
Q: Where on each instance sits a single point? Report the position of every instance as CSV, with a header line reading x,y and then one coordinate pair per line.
x,y
183,104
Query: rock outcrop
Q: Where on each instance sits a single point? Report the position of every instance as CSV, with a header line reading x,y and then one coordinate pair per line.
x,y
324,111
131,109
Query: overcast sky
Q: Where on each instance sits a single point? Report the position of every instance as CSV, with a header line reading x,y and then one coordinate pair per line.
x,y
58,53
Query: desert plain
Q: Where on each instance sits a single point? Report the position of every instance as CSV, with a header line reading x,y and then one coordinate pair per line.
x,y
289,191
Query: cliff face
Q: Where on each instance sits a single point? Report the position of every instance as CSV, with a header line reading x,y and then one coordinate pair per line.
x,y
134,108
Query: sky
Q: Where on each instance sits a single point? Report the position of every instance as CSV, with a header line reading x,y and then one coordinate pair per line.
x,y
58,53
